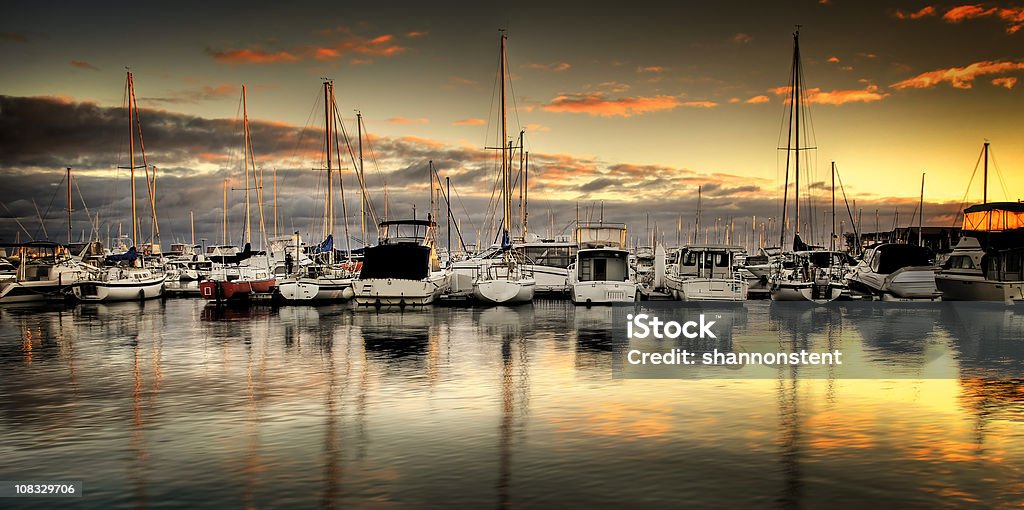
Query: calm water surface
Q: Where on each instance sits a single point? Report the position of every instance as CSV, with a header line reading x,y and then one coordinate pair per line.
x,y
173,404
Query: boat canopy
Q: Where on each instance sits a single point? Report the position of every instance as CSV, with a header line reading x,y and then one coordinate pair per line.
x,y
889,258
404,231
994,217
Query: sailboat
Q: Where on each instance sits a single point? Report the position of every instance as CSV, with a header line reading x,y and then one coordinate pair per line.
x,y
986,263
326,279
125,276
238,275
808,274
504,282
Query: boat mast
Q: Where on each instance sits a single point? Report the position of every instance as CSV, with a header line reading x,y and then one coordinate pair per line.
x,y
362,185
69,205
984,185
832,237
245,156
920,214
275,202
796,97
506,199
329,206
192,221
224,210
131,157
526,195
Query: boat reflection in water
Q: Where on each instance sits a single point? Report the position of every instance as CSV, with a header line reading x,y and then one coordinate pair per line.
x,y
346,407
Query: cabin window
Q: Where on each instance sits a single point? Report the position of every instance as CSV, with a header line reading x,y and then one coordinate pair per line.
x,y
960,262
721,259
690,259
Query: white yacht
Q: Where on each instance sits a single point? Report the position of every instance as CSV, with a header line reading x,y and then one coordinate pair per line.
x,y
601,273
704,272
986,265
45,270
402,270
895,272
817,275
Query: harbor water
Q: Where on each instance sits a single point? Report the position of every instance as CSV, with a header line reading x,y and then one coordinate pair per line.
x,y
179,404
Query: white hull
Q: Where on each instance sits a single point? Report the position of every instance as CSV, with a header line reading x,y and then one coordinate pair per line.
x,y
805,291
906,284
504,292
603,293
119,290
959,287
304,290
547,279
396,292
29,292
707,289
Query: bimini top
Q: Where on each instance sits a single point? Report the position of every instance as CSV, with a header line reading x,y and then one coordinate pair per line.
x,y
994,217
404,231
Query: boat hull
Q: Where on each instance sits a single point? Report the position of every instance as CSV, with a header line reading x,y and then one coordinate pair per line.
x,y
134,290
397,292
30,292
957,287
502,292
305,290
806,291
707,289
603,293
216,290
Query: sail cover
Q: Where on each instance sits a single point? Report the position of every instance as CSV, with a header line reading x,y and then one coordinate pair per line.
x,y
128,256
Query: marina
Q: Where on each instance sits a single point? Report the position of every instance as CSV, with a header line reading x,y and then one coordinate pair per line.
x,y
546,257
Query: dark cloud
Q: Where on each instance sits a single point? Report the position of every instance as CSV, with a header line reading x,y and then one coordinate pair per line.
x,y
39,137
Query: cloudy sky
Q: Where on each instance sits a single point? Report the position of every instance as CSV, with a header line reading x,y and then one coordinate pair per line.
x,y
633,107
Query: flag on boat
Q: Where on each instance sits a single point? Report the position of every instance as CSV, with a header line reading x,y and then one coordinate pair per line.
x,y
327,246
506,242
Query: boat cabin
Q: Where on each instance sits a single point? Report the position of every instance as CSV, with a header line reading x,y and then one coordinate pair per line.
x,y
707,261
602,265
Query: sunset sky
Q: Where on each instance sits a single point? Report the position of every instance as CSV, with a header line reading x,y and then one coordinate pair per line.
x,y
635,105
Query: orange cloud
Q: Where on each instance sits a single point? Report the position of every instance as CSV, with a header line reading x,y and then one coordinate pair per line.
x,y
556,67
403,120
869,94
958,77
1013,16
470,122
741,38
701,104
537,128
599,105
416,33
925,11
84,65
758,99
1007,82
380,46
252,56
650,69
833,60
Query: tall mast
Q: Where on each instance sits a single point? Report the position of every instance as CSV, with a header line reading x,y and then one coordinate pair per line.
x,y
131,157
522,205
984,185
69,205
329,223
362,185
224,209
797,96
526,196
245,156
506,199
275,201
920,215
832,236
192,221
